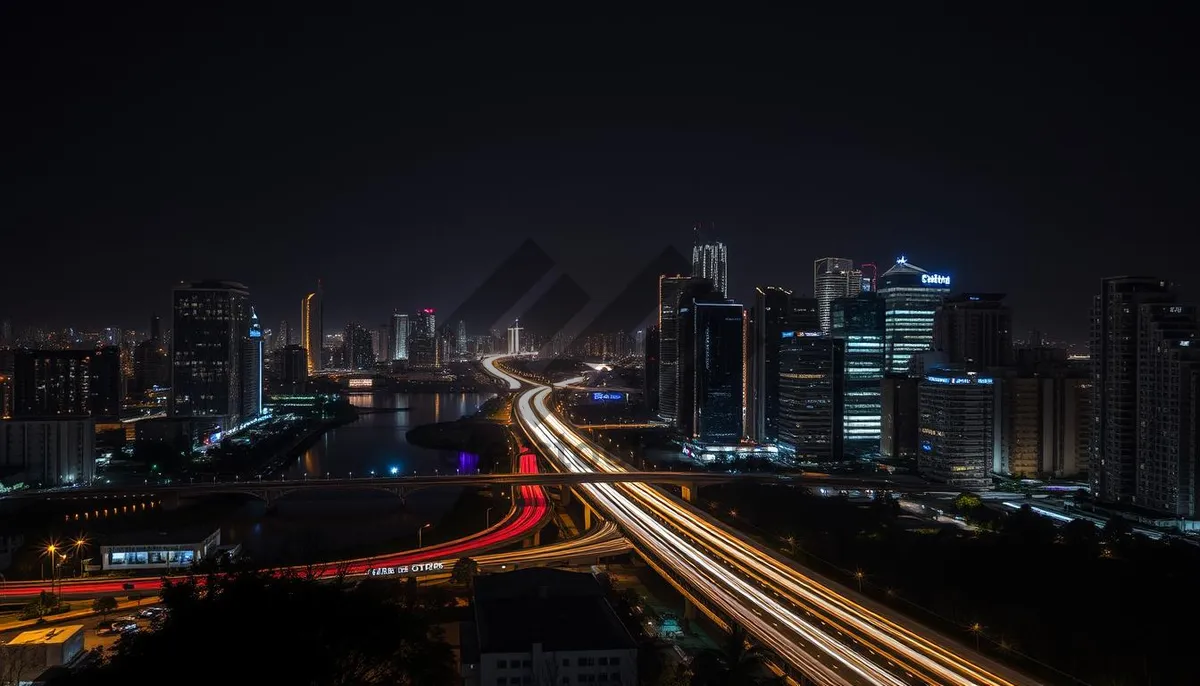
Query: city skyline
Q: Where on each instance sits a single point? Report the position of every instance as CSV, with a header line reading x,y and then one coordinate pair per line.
x,y
402,198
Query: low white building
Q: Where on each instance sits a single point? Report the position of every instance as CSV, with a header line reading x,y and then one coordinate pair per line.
x,y
547,627
32,652
48,452
164,551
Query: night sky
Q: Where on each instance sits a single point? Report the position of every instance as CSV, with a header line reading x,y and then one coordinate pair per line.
x,y
400,158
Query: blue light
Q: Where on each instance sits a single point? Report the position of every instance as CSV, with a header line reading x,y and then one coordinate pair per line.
x,y
927,446
394,471
788,334
602,396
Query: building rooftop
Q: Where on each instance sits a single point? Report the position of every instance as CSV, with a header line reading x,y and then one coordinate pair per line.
x,y
173,536
560,610
58,634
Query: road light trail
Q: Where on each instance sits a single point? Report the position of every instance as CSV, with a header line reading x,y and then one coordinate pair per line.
x,y
909,657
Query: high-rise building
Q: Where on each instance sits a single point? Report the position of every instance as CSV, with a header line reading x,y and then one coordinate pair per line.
x,y
811,378
709,261
514,338
423,349
1168,409
858,321
900,421
312,327
400,334
1114,346
358,346
283,337
107,385
1045,416
768,320
911,296
959,441
671,290
252,369
293,369
211,320
715,407
651,369
67,383
49,452
834,277
460,340
974,329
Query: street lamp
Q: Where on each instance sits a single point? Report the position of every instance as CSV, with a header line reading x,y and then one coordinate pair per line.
x,y
977,629
80,546
420,537
488,519
859,575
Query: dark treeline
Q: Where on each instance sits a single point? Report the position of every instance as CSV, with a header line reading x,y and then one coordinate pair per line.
x,y
1103,606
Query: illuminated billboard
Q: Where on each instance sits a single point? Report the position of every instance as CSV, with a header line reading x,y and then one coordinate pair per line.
x,y
360,383
935,280
607,396
415,568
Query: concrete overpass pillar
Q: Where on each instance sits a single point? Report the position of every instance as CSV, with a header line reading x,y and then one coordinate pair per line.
x,y
688,491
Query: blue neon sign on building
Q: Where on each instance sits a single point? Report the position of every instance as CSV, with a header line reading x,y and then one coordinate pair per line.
x,y
606,396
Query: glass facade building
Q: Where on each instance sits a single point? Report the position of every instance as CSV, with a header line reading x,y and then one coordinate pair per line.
x,y
958,439
719,372
859,323
212,319
811,376
911,297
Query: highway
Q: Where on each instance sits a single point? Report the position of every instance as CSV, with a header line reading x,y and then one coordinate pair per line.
x,y
526,514
814,626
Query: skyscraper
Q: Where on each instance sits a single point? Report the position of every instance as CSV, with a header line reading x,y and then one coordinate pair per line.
x,y
67,383
252,370
312,325
400,333
283,338
974,329
859,322
1114,348
650,353
712,382
811,375
709,261
423,349
671,291
293,369
514,338
770,318
460,340
211,319
357,343
834,277
959,443
911,296
1168,409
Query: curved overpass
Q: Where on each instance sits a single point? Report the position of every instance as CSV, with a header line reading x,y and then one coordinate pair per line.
x,y
816,628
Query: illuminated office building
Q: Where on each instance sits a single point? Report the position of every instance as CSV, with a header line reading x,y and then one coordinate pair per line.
x,y
423,349
709,261
357,344
859,323
293,370
811,378
252,370
312,327
67,383
959,443
514,338
400,333
834,277
211,321
911,296
651,369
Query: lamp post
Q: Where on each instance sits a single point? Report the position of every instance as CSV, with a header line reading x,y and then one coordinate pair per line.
x,y
80,546
488,519
420,537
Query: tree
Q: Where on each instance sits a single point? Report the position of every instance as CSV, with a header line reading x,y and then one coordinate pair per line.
x,y
19,664
736,663
104,605
965,502
319,633
465,571
1117,528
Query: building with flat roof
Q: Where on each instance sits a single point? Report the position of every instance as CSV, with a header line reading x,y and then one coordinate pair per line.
x,y
159,551
32,652
547,626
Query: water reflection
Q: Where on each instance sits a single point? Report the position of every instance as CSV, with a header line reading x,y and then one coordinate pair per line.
x,y
468,463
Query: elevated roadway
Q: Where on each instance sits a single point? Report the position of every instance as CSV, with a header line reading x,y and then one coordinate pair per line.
x,y
818,630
